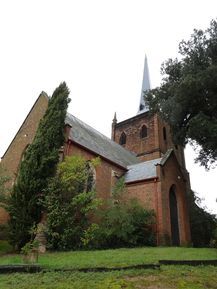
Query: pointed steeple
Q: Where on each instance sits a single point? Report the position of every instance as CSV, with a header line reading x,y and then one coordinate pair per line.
x,y
143,107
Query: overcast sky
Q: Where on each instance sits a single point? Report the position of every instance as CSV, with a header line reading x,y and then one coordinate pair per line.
x,y
98,47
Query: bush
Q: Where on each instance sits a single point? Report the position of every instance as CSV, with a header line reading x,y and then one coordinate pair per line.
x,y
72,208
213,242
5,247
123,223
202,223
4,232
69,204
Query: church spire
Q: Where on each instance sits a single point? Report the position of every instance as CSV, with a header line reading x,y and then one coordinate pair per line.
x,y
143,107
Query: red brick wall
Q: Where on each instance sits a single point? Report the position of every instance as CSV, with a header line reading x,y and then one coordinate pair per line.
x,y
24,137
154,145
171,175
168,143
105,178
132,128
4,217
144,192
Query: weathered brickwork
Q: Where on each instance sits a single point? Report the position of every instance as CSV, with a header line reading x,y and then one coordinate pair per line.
x,y
144,192
4,217
155,144
132,128
25,135
155,193
165,144
172,175
106,172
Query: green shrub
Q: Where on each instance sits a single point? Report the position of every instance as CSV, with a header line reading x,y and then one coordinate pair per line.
x,y
4,232
73,209
213,242
5,247
69,204
202,223
123,223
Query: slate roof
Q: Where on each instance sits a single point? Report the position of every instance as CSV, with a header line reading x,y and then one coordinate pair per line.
x,y
145,170
142,171
93,140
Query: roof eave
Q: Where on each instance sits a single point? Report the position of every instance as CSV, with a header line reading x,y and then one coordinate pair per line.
x,y
155,178
97,154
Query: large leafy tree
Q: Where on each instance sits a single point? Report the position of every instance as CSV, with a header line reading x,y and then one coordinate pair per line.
x,y
38,166
187,97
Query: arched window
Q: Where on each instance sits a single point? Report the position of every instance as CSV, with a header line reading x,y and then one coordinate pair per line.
x,y
91,177
164,133
123,139
143,131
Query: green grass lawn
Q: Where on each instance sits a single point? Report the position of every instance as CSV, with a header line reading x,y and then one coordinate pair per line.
x,y
168,277
115,258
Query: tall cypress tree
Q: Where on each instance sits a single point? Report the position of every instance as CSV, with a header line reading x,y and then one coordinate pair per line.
x,y
38,166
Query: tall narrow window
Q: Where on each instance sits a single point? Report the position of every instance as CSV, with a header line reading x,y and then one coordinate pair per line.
x,y
91,177
143,131
164,133
123,139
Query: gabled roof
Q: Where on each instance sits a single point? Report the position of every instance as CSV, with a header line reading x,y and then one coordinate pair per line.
x,y
142,171
166,156
88,137
146,170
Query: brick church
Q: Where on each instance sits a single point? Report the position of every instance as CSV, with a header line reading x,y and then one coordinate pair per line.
x,y
140,149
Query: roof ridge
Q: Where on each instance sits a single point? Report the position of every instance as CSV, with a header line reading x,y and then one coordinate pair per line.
x,y
102,135
93,140
146,162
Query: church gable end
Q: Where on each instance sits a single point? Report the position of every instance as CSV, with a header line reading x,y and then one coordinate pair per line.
x,y
25,135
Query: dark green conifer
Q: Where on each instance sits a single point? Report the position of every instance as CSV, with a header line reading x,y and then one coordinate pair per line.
x,y
38,166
